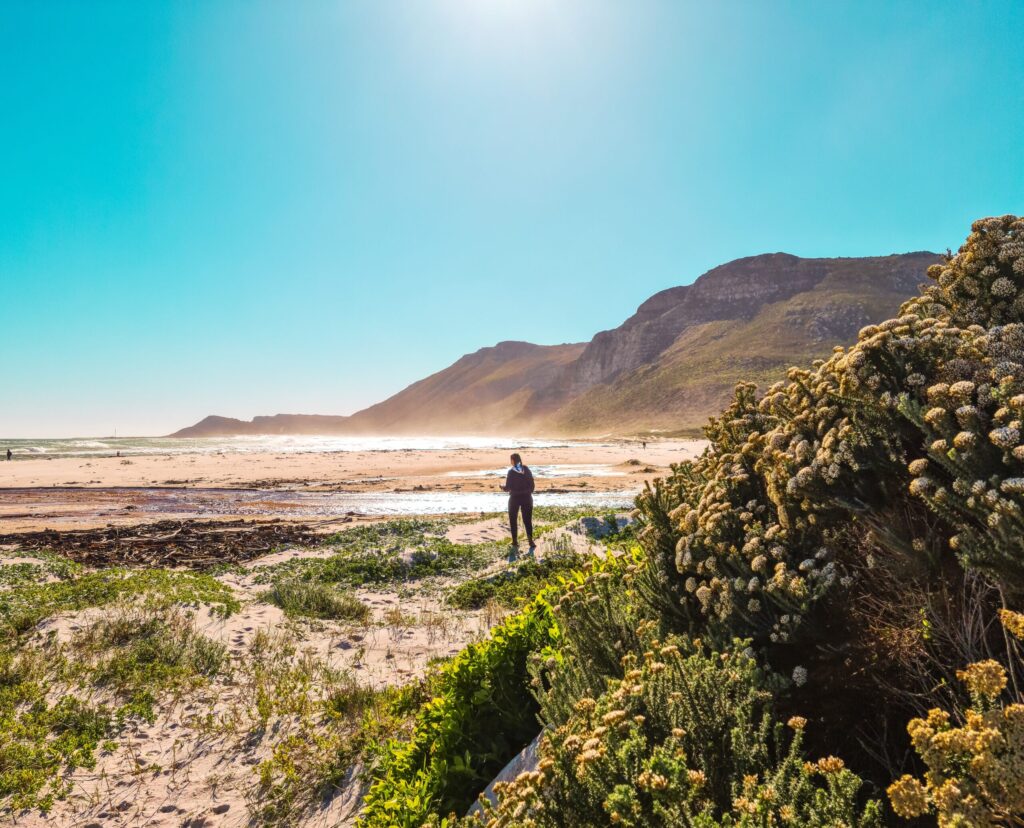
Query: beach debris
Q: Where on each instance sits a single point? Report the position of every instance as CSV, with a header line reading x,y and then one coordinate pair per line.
x,y
190,543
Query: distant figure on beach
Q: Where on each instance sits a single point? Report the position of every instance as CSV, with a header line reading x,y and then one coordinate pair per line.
x,y
10,454
519,485
644,444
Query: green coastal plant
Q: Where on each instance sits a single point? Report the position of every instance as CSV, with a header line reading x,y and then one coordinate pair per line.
x,y
42,741
312,599
391,552
480,715
43,566
515,585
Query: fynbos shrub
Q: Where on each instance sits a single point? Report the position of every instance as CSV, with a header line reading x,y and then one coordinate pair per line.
x,y
924,411
975,767
684,738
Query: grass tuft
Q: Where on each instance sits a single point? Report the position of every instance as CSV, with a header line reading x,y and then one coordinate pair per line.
x,y
311,599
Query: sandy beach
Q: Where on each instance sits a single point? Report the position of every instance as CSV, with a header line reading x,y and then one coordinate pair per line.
x,y
86,492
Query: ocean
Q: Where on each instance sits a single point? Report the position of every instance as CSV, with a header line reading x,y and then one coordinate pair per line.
x,y
284,444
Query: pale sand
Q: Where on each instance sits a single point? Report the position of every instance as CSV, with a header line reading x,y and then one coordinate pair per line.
x,y
182,771
105,488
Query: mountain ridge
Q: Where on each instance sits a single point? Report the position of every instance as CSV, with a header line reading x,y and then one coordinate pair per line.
x,y
668,366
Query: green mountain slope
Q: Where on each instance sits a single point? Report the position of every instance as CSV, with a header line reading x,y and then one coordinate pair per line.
x,y
695,375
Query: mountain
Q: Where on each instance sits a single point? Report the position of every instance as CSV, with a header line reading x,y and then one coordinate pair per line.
x,y
666,368
482,392
214,426
676,361
486,391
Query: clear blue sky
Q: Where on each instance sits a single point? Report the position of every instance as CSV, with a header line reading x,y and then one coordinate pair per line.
x,y
248,208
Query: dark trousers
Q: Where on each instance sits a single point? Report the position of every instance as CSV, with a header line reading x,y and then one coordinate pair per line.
x,y
515,504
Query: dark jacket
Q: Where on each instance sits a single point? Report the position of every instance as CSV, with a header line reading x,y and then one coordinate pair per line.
x,y
519,483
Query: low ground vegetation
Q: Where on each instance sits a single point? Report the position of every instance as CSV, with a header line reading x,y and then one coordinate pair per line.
x,y
88,657
312,599
389,553
61,702
29,603
515,585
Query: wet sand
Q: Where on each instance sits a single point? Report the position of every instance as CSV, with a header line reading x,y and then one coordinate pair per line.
x,y
65,493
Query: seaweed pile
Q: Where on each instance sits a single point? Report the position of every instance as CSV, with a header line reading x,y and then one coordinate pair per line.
x,y
192,543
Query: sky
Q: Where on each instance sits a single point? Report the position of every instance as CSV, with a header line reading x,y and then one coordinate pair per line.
x,y
248,208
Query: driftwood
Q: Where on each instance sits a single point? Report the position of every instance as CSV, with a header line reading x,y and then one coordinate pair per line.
x,y
190,543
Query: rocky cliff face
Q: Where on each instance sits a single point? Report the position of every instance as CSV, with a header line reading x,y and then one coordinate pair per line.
x,y
733,291
747,320
669,365
636,341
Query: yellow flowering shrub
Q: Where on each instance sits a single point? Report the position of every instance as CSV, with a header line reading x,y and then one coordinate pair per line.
x,y
1013,622
685,737
976,767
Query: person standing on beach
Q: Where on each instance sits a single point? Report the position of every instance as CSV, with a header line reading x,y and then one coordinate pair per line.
x,y
519,485
10,454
